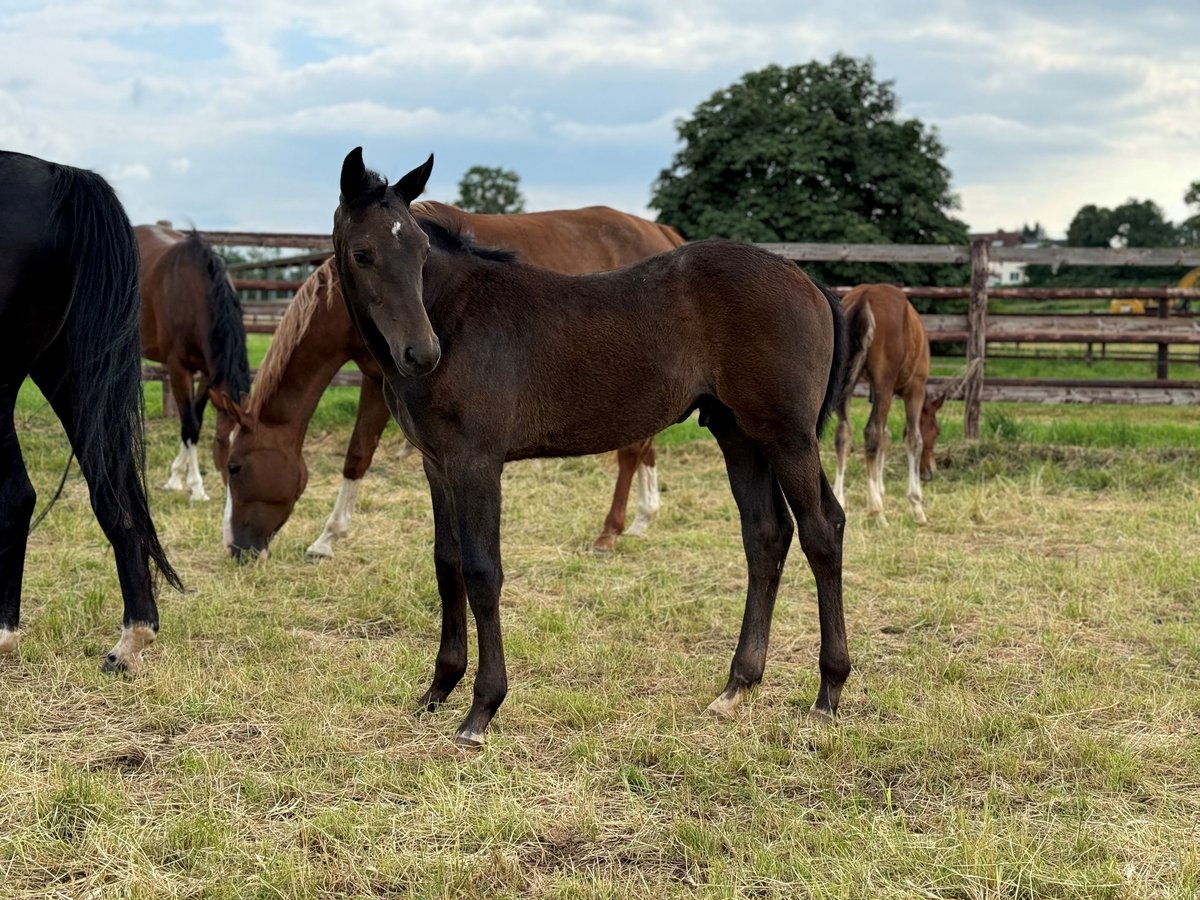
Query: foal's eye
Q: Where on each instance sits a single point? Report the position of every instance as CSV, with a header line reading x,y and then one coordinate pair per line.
x,y
362,257
234,468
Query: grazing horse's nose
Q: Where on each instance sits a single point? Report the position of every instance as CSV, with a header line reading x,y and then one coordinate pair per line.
x,y
421,359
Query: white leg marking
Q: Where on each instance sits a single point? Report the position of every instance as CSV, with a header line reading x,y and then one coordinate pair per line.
x,y
178,470
875,487
127,654
648,500
338,524
913,448
195,481
8,640
839,483
227,522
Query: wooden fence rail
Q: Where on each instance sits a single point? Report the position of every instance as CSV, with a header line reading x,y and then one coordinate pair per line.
x,y
976,328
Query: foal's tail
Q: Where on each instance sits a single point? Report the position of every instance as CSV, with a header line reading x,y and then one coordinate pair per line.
x,y
104,348
229,368
860,331
837,367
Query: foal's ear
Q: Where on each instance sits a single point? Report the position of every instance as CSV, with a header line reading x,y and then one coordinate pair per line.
x,y
354,175
412,185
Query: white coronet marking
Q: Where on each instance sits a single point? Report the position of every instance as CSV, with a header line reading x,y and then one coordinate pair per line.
x,y
179,467
649,501
469,739
8,640
338,524
127,654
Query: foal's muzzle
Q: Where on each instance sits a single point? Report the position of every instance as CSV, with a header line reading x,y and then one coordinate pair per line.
x,y
418,359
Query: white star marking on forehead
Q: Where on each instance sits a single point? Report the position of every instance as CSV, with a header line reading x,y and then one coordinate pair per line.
x,y
397,228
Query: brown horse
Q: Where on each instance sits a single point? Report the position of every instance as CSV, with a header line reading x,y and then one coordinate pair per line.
x,y
315,338
486,360
191,322
888,346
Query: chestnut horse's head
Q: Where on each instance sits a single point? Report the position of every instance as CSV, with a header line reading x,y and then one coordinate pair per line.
x,y
266,476
381,251
929,434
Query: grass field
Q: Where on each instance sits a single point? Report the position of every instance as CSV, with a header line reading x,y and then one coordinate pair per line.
x,y
1023,719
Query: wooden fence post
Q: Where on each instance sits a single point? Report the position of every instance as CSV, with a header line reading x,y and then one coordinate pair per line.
x,y
1164,350
976,337
169,409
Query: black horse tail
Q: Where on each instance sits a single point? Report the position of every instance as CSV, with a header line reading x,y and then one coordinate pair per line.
x,y
104,344
837,366
229,367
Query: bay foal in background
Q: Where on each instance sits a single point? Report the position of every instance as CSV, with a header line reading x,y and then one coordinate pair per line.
x,y
890,350
486,360
316,338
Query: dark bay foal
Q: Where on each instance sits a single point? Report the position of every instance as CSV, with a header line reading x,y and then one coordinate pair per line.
x,y
487,360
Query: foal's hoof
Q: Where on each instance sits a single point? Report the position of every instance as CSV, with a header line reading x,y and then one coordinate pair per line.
x,y
8,640
468,740
726,704
606,543
317,554
821,716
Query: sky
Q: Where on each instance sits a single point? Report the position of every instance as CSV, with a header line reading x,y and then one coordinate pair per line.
x,y
231,114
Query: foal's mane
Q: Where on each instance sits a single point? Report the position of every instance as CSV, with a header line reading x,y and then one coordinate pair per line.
x,y
322,284
446,230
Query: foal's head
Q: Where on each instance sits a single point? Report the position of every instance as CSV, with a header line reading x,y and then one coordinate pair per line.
x,y
381,252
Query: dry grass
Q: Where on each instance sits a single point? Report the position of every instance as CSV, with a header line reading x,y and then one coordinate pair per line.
x,y
1023,720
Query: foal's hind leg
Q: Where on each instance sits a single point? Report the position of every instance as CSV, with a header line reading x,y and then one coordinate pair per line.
x,y
614,522
875,441
17,498
913,402
820,523
766,535
110,478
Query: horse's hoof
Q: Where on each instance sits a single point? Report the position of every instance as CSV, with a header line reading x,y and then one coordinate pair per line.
x,y
606,543
318,552
725,705
821,716
468,740
8,640
126,656
920,518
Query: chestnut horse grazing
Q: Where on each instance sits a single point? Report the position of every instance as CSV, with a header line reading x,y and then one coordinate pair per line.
x,y
69,320
316,338
192,322
889,347
486,360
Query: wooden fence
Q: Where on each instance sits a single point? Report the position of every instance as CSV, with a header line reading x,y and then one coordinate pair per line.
x,y
975,328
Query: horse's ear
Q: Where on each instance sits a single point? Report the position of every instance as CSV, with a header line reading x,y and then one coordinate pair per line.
x,y
412,185
230,407
354,175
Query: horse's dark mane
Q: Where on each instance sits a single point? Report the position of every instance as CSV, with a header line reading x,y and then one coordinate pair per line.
x,y
227,335
452,239
104,341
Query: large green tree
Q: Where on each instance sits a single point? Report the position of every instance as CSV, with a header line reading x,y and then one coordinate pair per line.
x,y
816,152
484,189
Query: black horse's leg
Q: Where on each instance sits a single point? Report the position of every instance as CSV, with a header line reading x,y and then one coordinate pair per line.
x,y
820,524
451,662
766,536
475,491
111,478
17,498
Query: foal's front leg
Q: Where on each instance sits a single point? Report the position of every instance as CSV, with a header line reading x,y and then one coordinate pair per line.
x,y
451,662
475,491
